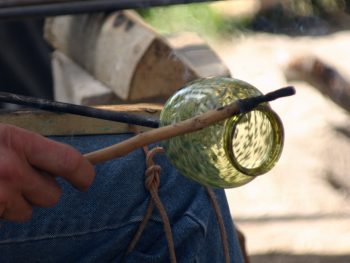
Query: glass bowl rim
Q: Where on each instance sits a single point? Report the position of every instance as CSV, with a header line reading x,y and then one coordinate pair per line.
x,y
275,152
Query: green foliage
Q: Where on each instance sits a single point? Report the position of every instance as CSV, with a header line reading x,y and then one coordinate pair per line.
x,y
287,16
200,18
303,17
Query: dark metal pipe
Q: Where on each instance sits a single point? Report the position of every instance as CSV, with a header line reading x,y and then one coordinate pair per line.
x,y
13,3
78,7
55,106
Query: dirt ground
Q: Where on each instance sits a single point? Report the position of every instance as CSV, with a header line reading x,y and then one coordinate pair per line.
x,y
298,212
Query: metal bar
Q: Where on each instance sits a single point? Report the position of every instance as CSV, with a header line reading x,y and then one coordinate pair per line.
x,y
55,106
91,6
13,3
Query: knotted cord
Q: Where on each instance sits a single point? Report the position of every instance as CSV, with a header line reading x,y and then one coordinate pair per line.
x,y
152,182
220,221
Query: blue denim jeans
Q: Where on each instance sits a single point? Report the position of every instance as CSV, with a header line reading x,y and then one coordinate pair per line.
x,y
96,226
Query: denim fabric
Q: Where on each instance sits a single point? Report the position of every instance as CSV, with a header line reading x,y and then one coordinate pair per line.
x,y
96,226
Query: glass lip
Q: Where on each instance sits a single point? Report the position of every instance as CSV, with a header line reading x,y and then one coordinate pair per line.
x,y
276,150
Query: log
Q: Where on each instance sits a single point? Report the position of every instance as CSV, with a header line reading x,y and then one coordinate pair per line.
x,y
322,76
332,84
194,51
128,56
72,84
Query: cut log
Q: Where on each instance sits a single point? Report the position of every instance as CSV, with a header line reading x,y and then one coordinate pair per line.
x,y
72,84
321,76
128,56
335,137
195,52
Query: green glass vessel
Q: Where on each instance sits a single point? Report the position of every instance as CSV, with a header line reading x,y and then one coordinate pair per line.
x,y
232,152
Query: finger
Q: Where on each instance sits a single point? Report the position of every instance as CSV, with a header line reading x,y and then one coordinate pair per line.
x,y
58,159
40,189
14,205
19,210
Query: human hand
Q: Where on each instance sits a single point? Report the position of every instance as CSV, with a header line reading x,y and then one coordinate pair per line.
x,y
28,164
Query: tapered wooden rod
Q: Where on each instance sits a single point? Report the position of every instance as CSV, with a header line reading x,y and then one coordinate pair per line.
x,y
191,125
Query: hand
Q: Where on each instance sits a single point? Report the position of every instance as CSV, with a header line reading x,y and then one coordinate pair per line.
x,y
28,164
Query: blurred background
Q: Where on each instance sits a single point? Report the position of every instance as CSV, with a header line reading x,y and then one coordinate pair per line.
x,y
300,211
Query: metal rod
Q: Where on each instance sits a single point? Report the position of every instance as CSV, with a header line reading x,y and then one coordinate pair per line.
x,y
13,3
251,103
55,106
78,7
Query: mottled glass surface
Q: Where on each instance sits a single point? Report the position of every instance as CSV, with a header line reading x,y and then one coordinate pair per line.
x,y
252,139
227,154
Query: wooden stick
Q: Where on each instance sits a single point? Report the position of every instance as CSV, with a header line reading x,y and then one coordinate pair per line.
x,y
191,125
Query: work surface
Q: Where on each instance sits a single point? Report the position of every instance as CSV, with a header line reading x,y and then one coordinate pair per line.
x,y
298,208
